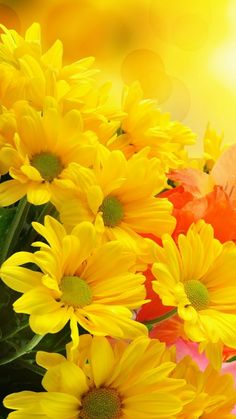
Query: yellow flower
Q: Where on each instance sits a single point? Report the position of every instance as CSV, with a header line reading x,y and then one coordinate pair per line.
x,y
119,197
28,73
198,277
108,380
44,147
213,147
7,131
215,395
95,287
145,125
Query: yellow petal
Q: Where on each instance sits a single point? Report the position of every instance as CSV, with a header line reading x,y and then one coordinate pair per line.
x,y
86,234
52,231
72,124
152,406
48,360
129,359
8,158
95,198
20,279
31,173
74,334
53,57
60,405
153,215
109,260
38,194
102,360
19,258
113,321
114,172
36,301
50,322
30,131
28,400
22,414
71,251
33,33
66,377
11,191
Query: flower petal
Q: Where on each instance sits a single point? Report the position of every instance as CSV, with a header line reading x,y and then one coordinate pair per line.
x,y
38,193
20,279
31,173
87,236
50,322
52,231
48,360
28,400
60,406
66,377
102,360
11,191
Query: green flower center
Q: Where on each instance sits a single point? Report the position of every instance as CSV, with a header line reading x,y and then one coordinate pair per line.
x,y
101,403
197,294
75,291
112,211
48,165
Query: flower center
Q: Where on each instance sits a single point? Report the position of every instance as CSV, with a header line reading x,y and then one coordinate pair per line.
x,y
101,403
48,165
112,211
75,291
197,294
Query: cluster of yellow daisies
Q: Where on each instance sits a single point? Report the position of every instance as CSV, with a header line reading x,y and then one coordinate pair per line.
x,y
134,244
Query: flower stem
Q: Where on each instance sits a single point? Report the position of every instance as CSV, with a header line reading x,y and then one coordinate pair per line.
x,y
24,363
14,332
162,318
15,229
22,351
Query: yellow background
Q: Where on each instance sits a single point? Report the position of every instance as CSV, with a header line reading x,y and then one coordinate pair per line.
x,y
182,51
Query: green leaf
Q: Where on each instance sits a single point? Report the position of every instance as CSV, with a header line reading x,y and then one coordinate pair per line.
x,y
6,217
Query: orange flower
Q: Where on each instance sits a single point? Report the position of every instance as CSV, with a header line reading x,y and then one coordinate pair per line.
x,y
214,208
155,308
169,331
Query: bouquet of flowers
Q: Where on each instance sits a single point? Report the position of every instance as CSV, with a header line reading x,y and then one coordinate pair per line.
x,y
118,254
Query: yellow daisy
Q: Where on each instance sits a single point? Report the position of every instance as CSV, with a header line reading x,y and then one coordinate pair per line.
x,y
119,198
214,392
44,147
144,125
213,147
198,277
28,73
95,287
107,381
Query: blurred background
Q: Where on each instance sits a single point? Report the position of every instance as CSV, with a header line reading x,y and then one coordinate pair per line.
x,y
183,52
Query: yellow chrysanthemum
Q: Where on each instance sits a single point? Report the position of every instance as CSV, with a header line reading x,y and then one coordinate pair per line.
x,y
213,147
94,287
28,73
145,125
215,395
7,131
44,147
107,381
198,277
119,197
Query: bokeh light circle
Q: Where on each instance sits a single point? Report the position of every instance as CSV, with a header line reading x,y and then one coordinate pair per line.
x,y
9,17
147,67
